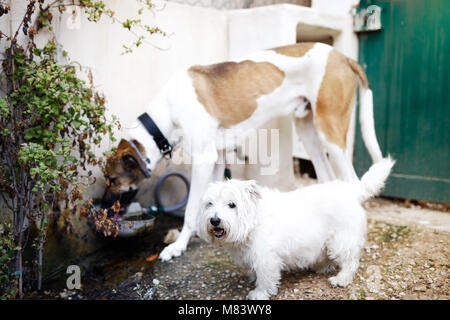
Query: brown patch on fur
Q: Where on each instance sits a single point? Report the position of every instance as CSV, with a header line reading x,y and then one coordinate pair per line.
x,y
114,168
229,90
334,102
295,50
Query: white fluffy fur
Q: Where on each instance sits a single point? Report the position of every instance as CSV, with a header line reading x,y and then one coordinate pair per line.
x,y
319,227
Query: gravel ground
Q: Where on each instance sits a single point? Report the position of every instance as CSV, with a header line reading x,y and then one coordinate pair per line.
x,y
406,257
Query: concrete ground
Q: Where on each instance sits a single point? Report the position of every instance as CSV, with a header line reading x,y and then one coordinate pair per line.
x,y
406,257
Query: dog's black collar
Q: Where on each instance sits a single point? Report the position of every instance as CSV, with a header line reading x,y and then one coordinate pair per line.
x,y
161,141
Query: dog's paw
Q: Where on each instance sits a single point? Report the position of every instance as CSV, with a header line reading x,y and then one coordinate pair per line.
x,y
340,280
171,251
258,294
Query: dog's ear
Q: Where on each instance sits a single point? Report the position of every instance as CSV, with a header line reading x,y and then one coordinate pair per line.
x,y
123,144
253,190
129,162
129,156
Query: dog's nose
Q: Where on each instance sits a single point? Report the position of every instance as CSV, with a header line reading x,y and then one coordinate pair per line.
x,y
215,221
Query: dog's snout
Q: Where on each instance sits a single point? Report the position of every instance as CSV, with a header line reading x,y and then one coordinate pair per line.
x,y
215,221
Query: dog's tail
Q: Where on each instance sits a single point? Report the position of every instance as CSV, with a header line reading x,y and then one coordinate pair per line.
x,y
372,182
366,112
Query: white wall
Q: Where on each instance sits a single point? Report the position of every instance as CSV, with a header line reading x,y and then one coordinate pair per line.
x,y
196,35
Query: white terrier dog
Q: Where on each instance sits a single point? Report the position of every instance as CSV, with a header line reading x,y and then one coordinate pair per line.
x,y
266,231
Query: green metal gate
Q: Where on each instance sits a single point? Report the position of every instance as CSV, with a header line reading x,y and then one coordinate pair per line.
x,y
408,65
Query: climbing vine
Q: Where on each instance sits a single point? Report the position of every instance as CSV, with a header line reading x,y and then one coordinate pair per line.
x,y
50,121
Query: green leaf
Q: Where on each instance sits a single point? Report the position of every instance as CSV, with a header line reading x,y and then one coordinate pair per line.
x,y
76,124
37,52
29,135
4,109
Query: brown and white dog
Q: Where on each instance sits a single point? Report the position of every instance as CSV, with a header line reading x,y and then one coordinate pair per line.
x,y
312,81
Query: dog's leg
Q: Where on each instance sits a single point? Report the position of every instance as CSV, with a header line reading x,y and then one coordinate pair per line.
x,y
314,147
219,167
348,267
268,275
202,170
237,257
340,162
345,246
218,174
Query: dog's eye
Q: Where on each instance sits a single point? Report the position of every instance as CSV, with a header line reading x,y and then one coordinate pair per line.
x,y
111,180
209,204
232,205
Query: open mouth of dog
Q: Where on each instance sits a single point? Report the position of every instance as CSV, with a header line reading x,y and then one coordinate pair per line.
x,y
218,232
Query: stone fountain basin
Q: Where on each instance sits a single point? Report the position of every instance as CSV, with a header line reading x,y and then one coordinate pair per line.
x,y
135,224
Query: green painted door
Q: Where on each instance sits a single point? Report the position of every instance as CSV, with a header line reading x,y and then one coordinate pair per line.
x,y
408,65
